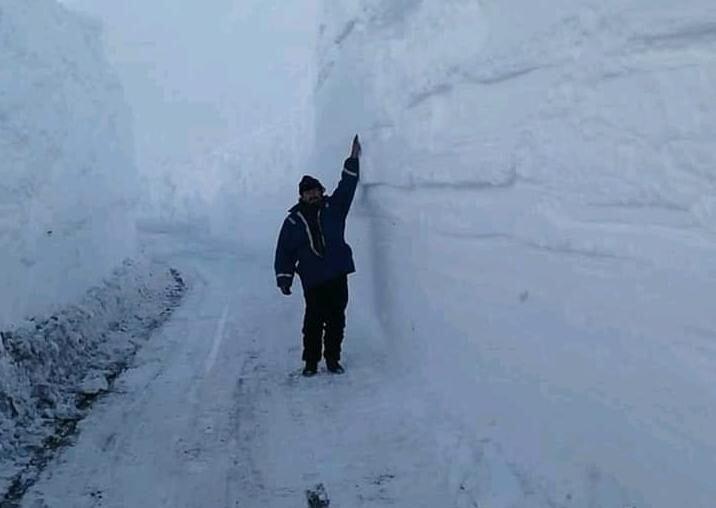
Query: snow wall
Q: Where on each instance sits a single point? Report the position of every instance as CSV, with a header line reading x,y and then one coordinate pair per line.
x,y
67,177
535,230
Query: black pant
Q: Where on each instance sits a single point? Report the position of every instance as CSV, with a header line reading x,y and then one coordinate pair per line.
x,y
325,312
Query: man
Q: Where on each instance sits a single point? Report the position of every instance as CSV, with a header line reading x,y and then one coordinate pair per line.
x,y
312,244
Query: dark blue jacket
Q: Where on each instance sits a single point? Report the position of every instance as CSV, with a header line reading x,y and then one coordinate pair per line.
x,y
323,255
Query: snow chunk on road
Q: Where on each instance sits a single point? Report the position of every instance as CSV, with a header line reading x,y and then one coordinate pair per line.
x,y
94,383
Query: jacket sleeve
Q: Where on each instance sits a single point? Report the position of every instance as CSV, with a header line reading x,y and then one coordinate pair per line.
x,y
346,190
285,261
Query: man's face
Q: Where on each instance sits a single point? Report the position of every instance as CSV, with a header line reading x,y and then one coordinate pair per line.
x,y
312,196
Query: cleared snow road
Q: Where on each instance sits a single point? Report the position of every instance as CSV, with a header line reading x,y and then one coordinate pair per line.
x,y
214,413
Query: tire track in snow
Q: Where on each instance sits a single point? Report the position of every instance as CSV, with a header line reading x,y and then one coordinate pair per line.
x,y
218,339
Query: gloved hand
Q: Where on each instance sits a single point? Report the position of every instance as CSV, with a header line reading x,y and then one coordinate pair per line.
x,y
356,148
285,289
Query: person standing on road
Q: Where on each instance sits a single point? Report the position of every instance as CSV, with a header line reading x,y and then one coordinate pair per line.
x,y
312,244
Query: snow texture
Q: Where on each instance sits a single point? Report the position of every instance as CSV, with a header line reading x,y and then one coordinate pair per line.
x,y
535,232
67,178
531,324
51,368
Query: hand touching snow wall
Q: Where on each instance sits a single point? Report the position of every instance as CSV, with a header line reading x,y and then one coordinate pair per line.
x,y
67,179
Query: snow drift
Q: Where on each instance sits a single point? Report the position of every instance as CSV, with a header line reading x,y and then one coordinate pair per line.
x,y
67,179
536,233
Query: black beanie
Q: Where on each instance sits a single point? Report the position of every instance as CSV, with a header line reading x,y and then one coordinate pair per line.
x,y
308,183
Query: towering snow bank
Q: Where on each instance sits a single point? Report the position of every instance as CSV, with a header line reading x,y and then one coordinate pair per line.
x,y
536,231
612,103
66,172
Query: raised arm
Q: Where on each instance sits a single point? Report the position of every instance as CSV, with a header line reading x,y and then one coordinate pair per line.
x,y
344,193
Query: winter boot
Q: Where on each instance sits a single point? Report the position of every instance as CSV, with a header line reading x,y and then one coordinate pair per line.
x,y
311,369
334,367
